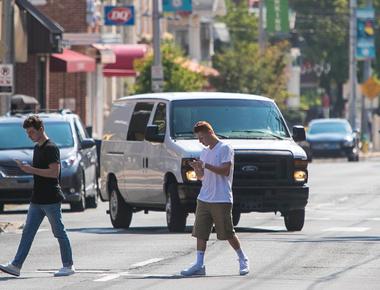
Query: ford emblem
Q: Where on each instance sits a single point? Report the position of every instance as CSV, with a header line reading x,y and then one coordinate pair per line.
x,y
250,168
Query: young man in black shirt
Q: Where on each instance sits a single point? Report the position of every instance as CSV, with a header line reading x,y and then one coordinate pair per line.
x,y
46,199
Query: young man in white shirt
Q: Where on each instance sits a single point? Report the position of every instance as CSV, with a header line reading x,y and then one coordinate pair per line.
x,y
214,204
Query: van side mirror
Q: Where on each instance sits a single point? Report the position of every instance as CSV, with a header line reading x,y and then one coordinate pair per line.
x,y
299,133
87,143
152,135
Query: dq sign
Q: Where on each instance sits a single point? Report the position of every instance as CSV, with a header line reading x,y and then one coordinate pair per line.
x,y
119,15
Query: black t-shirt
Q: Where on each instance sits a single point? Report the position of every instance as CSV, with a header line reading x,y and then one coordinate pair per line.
x,y
46,190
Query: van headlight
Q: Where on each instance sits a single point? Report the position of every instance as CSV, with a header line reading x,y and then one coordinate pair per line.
x,y
191,176
188,173
300,176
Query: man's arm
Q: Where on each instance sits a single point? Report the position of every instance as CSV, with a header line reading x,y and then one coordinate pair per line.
x,y
51,172
224,169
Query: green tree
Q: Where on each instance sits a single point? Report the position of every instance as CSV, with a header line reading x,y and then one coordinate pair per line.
x,y
177,78
242,25
243,69
324,26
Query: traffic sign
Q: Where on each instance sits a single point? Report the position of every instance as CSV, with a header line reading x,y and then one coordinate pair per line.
x,y
371,88
6,79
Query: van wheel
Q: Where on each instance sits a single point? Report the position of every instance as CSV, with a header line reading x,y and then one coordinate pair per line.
x,y
80,205
120,211
294,220
235,217
175,214
1,207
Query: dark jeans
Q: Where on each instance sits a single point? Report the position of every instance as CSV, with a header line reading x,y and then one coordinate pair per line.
x,y
36,214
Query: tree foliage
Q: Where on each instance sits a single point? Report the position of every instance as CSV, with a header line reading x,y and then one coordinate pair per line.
x,y
242,68
177,78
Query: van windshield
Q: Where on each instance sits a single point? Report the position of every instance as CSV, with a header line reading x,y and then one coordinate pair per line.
x,y
231,119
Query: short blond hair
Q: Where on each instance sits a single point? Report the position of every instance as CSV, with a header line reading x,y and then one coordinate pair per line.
x,y
202,126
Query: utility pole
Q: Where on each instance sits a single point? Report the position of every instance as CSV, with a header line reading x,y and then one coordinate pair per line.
x,y
261,27
6,44
353,69
367,71
157,75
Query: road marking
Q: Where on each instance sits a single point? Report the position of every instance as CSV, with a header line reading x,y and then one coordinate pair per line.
x,y
147,262
108,278
346,229
133,266
373,219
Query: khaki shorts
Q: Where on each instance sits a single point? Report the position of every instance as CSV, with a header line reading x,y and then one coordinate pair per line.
x,y
207,214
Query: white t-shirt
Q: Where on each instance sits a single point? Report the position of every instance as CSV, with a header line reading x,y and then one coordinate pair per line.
x,y
215,187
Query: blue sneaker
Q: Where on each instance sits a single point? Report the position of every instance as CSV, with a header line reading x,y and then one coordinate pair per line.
x,y
243,266
195,270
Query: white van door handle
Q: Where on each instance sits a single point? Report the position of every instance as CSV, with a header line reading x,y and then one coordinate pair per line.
x,y
146,162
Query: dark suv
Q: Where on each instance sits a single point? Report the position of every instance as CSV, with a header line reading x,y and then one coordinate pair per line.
x,y
79,172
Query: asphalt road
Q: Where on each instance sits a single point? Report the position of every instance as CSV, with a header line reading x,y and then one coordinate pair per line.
x,y
339,247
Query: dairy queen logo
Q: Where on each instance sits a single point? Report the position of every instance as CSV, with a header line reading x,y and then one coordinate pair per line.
x,y
119,15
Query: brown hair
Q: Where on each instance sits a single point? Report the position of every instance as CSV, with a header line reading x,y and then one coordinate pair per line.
x,y
33,122
202,126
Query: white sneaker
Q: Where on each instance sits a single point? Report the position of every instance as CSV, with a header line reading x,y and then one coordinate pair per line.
x,y
65,271
9,268
243,266
195,270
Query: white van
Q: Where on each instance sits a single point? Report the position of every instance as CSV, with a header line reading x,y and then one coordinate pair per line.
x,y
148,141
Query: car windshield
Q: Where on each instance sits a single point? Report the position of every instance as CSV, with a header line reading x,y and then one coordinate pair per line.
x,y
329,127
15,137
231,119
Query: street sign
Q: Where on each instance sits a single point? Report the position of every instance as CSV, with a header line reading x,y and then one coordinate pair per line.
x,y
157,72
119,15
371,88
277,16
6,79
177,6
365,19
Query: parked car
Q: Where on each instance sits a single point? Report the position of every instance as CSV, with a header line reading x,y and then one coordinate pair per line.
x,y
148,141
333,138
79,179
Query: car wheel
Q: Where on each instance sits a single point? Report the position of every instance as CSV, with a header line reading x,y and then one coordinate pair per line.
x,y
175,214
294,220
235,217
353,158
80,205
92,200
1,207
120,211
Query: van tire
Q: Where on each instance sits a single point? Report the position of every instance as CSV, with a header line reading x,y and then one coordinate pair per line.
x,y
175,213
120,211
294,220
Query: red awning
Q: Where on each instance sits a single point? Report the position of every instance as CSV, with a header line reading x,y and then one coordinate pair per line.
x,y
71,61
125,55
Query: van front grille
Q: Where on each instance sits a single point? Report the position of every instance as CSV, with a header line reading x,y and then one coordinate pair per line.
x,y
258,168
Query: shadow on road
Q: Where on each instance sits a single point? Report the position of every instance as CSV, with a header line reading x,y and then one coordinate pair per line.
x,y
341,239
158,230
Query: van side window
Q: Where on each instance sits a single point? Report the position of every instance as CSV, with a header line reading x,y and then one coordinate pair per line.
x,y
139,120
160,118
